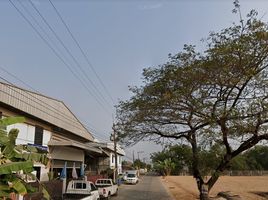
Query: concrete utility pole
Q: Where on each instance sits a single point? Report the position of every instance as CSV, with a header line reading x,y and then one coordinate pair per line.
x,y
133,157
114,139
139,154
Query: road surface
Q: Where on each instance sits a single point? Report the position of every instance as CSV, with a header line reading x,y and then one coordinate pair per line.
x,y
148,188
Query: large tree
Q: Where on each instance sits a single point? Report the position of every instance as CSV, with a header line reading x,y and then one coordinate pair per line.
x,y
218,96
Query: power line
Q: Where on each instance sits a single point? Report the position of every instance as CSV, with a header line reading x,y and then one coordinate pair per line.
x,y
69,53
42,110
56,53
55,110
81,50
18,79
43,30
95,136
47,43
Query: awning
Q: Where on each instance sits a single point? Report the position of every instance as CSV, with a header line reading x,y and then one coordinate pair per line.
x,y
87,147
66,153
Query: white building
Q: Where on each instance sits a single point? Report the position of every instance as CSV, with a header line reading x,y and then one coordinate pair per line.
x,y
109,162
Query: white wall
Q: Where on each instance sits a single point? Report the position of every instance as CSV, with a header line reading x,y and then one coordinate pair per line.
x,y
119,162
26,134
46,137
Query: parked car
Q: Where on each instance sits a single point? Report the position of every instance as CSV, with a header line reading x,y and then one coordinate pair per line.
x,y
132,179
81,189
106,188
132,172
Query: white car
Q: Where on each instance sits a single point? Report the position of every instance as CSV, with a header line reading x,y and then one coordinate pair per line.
x,y
132,179
106,188
82,190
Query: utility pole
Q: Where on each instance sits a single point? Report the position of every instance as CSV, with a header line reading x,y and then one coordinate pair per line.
x,y
133,155
114,139
139,154
139,161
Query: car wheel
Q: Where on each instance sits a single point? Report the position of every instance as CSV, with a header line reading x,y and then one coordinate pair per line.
x,y
108,197
116,193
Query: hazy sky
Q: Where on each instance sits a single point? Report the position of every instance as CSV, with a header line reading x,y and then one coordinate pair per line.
x,y
119,38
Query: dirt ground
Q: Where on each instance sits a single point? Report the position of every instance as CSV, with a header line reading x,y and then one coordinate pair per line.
x,y
247,187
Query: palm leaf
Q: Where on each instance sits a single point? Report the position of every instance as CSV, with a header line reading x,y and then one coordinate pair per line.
x,y
45,193
10,120
19,187
3,138
9,168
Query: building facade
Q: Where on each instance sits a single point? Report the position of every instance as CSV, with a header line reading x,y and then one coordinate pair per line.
x,y
49,124
108,162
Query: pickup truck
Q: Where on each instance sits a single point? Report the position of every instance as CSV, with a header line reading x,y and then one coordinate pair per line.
x,y
106,188
132,179
81,189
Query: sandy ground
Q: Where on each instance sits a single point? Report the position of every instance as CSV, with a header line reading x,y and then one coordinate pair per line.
x,y
247,187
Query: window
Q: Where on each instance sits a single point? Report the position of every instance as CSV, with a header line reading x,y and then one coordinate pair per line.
x,y
131,175
38,172
112,158
80,186
38,136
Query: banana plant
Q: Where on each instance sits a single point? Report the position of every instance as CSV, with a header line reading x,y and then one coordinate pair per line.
x,y
165,166
16,161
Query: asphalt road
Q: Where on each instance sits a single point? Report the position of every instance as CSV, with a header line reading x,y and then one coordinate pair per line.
x,y
148,188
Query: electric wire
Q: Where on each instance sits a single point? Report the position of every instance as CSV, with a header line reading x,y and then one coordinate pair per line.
x,y
42,110
57,54
94,135
55,110
81,50
69,53
43,30
25,18
12,75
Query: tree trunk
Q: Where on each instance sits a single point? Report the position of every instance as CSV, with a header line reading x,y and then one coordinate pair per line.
x,y
202,187
203,191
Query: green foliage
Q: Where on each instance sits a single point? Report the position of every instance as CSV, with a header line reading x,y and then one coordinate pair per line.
x,y
149,167
253,159
181,156
15,160
239,163
165,167
9,167
10,120
139,164
257,158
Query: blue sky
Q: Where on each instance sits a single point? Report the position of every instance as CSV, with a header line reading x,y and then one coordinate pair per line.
x,y
119,37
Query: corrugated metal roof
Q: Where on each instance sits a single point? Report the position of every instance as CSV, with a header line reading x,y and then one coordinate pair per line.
x,y
44,108
84,146
110,147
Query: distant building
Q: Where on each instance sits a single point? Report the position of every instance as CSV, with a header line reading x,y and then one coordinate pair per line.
x,y
109,161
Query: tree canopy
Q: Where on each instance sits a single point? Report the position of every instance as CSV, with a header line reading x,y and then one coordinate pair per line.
x,y
254,159
217,96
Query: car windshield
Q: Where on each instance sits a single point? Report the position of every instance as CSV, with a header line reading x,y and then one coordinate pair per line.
x,y
131,175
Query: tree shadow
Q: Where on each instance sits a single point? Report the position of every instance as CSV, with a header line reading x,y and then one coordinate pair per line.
x,y
262,194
